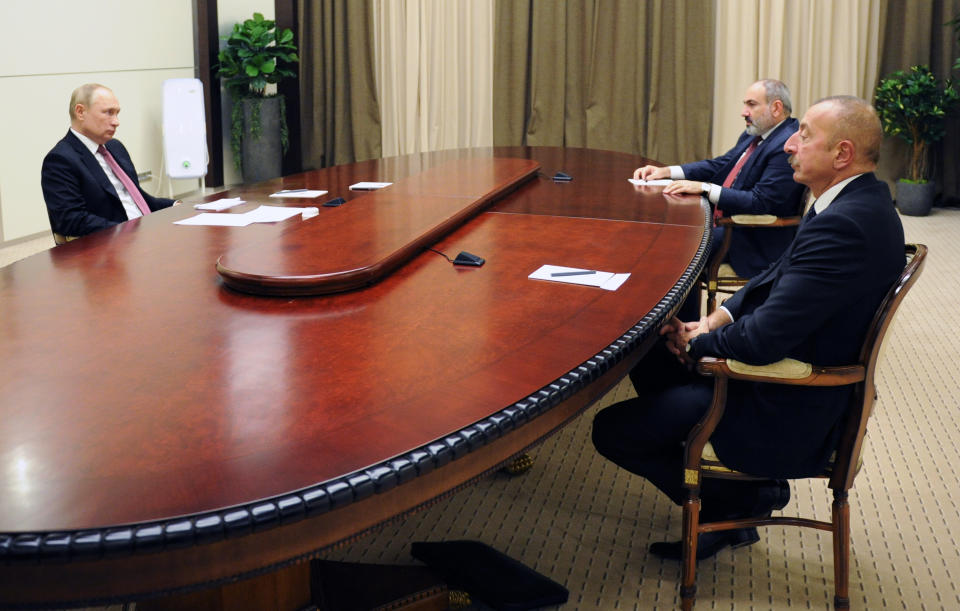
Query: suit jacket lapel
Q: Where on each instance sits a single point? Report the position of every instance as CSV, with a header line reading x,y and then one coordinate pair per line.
x,y
91,163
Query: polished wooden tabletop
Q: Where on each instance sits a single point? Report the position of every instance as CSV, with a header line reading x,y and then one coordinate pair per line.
x,y
159,430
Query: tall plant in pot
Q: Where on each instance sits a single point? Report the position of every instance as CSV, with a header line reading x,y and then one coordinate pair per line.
x,y
913,105
257,54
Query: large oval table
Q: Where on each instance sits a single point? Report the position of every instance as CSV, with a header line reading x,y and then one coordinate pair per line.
x,y
160,431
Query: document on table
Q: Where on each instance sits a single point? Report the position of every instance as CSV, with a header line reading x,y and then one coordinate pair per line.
x,y
369,186
217,220
262,214
307,193
650,183
220,204
272,214
608,281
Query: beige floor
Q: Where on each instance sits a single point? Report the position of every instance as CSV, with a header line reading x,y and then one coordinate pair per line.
x,y
587,524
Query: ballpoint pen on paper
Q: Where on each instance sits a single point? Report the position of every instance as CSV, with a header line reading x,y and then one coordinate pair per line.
x,y
580,273
291,191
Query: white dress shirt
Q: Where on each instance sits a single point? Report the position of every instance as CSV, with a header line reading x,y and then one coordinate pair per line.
x,y
128,204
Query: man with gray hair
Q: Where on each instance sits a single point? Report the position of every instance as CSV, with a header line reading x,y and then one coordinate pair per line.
x,y
751,178
89,182
814,304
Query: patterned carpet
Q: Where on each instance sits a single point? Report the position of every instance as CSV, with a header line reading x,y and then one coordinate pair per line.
x,y
587,524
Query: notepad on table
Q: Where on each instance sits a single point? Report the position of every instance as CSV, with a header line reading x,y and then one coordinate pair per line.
x,y
608,281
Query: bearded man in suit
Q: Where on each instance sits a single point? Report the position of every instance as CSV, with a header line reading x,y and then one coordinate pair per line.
x,y
753,177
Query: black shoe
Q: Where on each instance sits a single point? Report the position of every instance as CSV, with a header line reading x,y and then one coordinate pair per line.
x,y
708,544
772,498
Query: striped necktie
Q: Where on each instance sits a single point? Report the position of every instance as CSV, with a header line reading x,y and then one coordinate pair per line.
x,y
125,180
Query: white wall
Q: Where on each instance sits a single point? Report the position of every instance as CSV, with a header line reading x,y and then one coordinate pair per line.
x,y
52,46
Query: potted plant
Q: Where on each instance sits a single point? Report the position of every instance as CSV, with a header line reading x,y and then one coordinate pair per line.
x,y
257,53
913,105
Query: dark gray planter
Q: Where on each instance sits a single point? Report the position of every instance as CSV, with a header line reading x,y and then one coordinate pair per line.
x,y
915,198
262,154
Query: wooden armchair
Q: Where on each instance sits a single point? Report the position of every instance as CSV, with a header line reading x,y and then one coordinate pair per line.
x,y
719,277
62,239
700,461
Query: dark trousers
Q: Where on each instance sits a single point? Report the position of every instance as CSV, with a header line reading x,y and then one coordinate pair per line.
x,y
645,435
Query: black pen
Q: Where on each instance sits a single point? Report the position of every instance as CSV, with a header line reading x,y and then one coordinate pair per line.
x,y
583,273
290,191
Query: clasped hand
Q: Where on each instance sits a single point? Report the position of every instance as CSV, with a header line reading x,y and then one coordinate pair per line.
x,y
679,334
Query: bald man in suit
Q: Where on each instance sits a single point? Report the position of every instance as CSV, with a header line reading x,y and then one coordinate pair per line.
x,y
82,191
814,304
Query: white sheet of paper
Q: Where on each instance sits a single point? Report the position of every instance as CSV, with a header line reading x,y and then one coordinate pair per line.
x,y
608,281
262,214
220,204
308,193
650,183
216,219
369,186
272,214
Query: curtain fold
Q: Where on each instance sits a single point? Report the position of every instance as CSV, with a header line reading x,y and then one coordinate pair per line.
x,y
817,47
435,71
621,75
339,108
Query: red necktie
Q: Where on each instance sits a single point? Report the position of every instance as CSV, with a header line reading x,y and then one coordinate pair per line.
x,y
743,159
732,176
125,180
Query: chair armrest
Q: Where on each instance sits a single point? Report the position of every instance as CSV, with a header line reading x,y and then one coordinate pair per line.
x,y
758,220
786,371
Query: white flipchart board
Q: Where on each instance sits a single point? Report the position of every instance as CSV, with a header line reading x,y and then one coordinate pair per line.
x,y
184,128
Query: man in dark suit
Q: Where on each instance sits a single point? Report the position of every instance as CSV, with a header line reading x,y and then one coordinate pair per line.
x,y
762,184
814,304
82,190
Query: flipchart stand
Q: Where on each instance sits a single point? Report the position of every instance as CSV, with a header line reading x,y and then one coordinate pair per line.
x,y
184,132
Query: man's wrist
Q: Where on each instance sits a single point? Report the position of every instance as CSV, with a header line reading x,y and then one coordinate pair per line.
x,y
711,191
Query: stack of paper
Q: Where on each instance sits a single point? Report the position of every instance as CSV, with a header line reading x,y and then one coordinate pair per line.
x,y
220,204
262,214
369,186
308,193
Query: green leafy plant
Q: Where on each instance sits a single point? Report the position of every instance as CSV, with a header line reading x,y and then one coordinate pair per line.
x,y
913,105
257,53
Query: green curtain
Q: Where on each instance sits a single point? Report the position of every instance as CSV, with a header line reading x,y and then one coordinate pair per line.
x,y
339,109
625,75
914,33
